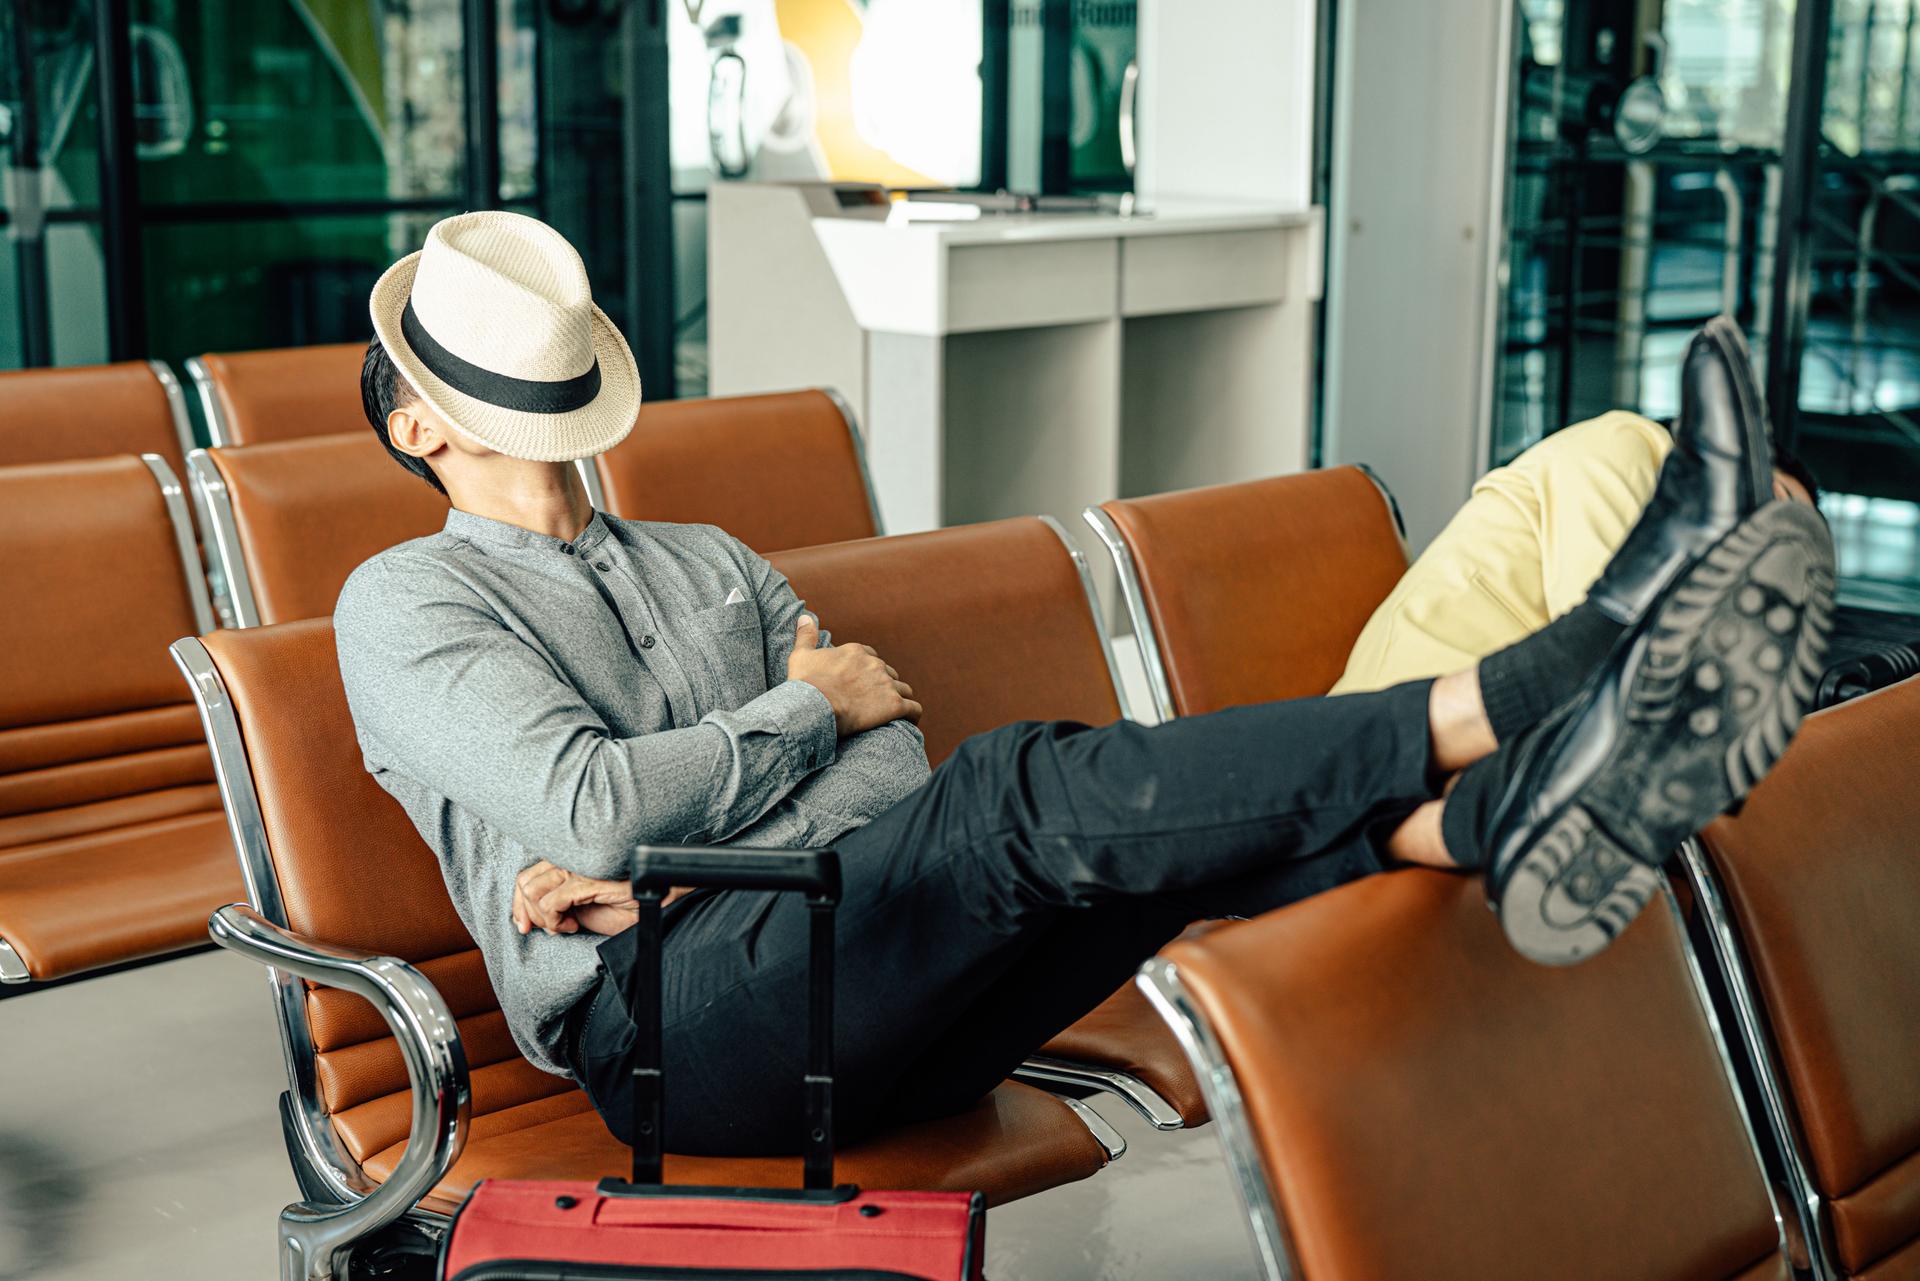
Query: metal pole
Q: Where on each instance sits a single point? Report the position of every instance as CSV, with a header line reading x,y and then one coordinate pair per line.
x,y
996,17
1906,80
647,211
119,183
27,226
1056,97
482,30
1573,177
1792,268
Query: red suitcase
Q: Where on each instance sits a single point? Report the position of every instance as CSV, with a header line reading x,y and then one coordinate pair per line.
x,y
640,1230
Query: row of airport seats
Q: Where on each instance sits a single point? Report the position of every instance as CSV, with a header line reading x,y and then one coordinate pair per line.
x,y
1397,1093
103,766
1731,1091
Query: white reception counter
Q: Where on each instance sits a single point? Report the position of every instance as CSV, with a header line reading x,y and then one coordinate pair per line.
x,y
1023,363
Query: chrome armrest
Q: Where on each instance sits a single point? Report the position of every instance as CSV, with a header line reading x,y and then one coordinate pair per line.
x,y
314,1239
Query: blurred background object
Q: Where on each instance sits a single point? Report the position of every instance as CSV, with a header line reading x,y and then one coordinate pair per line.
x,y
1530,203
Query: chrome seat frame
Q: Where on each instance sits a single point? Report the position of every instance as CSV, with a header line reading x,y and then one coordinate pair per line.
x,y
1047,1071
315,1236
1734,973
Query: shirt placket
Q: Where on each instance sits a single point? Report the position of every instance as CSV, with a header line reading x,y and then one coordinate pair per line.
x,y
642,622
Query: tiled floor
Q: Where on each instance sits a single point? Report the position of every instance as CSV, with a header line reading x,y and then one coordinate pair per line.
x,y
138,1139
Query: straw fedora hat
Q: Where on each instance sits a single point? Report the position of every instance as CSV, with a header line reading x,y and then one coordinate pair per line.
x,y
493,324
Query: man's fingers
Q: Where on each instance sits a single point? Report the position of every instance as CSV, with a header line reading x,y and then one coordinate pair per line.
x,y
904,690
912,712
871,651
891,674
806,633
566,896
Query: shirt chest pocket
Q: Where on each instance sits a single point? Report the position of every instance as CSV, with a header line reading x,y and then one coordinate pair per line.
x,y
732,645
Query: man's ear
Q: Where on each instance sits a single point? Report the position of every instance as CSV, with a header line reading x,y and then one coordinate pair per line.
x,y
411,433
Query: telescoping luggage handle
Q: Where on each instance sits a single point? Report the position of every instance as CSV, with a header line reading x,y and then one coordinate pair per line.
x,y
815,873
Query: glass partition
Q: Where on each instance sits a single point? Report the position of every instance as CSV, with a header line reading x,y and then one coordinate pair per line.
x,y
1627,228
49,136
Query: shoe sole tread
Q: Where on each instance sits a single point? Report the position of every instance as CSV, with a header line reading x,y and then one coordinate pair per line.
x,y
1731,660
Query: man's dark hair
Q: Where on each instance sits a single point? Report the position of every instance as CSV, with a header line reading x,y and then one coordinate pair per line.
x,y
383,390
1792,464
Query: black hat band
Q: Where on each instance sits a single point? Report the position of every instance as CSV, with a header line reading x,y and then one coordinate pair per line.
x,y
528,395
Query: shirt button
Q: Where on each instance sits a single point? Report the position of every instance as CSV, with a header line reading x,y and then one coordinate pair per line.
x,y
646,642
566,549
602,566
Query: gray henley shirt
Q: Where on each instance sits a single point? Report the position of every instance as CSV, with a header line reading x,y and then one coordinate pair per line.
x,y
524,697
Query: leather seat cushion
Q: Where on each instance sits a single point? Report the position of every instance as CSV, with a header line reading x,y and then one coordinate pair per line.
x,y
1258,590
1427,1103
91,411
310,511
923,599
95,592
1902,1265
1123,1033
776,471
89,901
1015,1142
1822,880
287,393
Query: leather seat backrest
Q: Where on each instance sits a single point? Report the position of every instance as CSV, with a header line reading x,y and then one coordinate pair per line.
x,y
1822,877
87,411
353,871
776,471
95,731
286,393
1426,1103
1257,591
988,623
309,511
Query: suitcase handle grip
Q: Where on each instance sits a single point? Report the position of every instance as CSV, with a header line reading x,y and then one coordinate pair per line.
x,y
812,872
815,873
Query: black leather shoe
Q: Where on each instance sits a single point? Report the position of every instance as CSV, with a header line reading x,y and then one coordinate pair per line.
x,y
1689,711
1719,470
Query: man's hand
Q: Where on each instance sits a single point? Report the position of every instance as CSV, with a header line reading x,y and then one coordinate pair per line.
x,y
863,691
558,901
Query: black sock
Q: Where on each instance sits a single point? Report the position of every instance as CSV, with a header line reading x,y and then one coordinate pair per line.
x,y
1468,811
1529,678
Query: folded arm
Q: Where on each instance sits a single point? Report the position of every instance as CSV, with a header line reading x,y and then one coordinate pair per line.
x,y
458,702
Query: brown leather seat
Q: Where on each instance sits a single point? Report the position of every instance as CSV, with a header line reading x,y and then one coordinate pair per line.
x,y
990,624
1257,591
1821,877
1416,1100
251,397
306,513
330,833
776,471
112,844
93,411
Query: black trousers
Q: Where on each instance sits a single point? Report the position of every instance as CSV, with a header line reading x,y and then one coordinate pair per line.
x,y
1019,888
